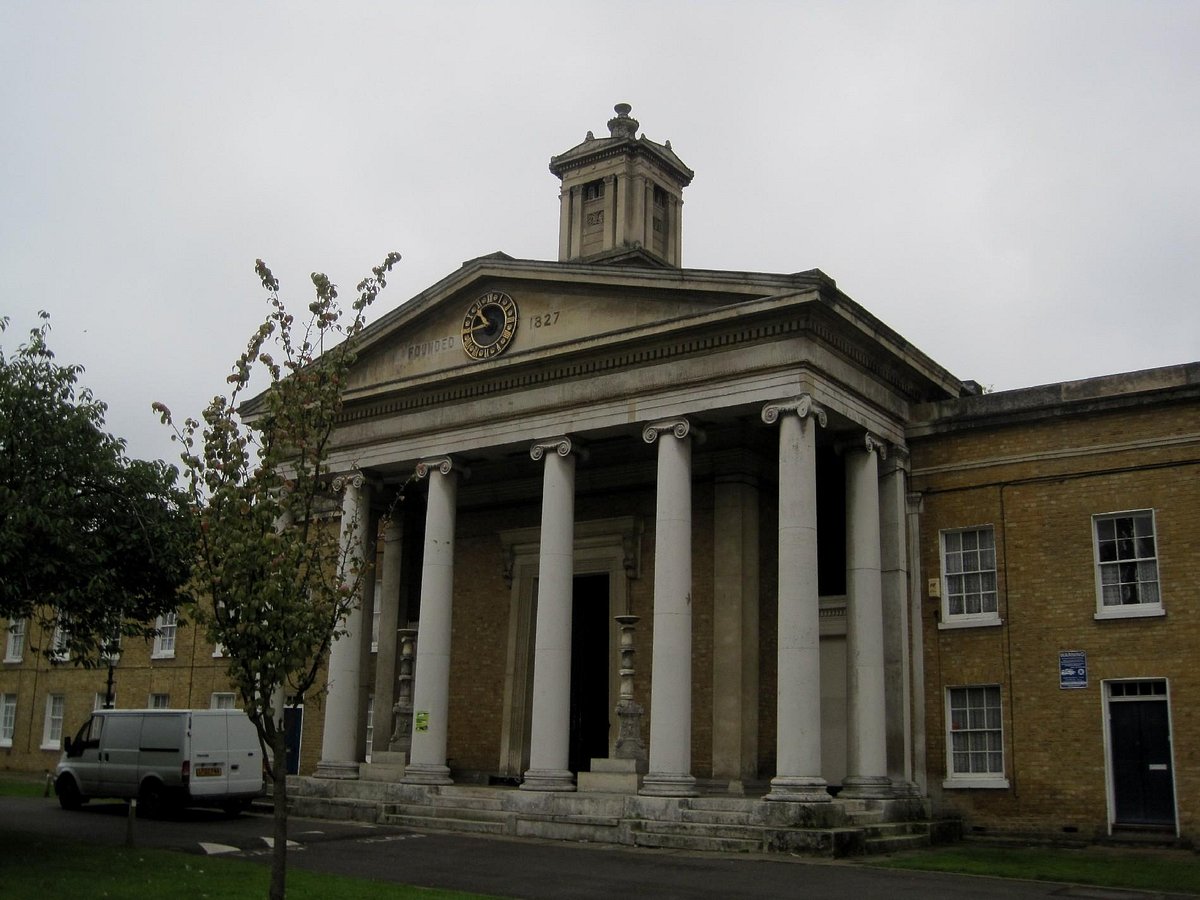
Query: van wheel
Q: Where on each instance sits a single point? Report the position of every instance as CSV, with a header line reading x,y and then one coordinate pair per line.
x,y
68,792
151,801
234,808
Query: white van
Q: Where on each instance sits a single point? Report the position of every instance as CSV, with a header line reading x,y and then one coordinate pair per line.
x,y
201,757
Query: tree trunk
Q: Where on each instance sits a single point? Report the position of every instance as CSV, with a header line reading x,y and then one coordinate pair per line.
x,y
279,773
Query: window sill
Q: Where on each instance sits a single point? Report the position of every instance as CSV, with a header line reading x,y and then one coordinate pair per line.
x,y
994,783
955,623
5,743
12,661
53,746
162,655
1132,611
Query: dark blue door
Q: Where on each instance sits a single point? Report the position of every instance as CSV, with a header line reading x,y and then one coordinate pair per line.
x,y
1143,786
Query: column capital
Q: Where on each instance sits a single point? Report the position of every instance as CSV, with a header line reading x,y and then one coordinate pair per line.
x,y
443,464
562,445
680,427
897,457
353,479
867,443
915,501
802,405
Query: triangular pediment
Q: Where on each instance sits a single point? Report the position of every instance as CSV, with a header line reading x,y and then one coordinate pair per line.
x,y
556,309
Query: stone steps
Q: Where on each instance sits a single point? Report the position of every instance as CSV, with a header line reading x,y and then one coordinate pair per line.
x,y
455,801
445,811
680,836
427,822
895,836
727,824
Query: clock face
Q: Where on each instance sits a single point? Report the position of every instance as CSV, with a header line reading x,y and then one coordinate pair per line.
x,y
489,325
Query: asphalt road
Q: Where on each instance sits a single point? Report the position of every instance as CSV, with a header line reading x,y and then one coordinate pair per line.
x,y
518,868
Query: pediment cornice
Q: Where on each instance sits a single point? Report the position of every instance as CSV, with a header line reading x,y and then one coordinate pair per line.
x,y
800,316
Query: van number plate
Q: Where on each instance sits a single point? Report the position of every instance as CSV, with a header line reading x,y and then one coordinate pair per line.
x,y
207,771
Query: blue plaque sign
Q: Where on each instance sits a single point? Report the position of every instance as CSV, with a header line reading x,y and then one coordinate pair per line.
x,y
1072,669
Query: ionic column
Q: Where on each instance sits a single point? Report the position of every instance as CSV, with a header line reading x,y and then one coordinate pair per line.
x,y
671,655
866,750
550,730
798,692
389,612
431,690
339,740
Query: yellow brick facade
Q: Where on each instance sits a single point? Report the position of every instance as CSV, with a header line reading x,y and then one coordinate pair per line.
x,y
189,679
1038,484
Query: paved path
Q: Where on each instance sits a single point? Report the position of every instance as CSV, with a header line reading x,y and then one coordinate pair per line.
x,y
522,868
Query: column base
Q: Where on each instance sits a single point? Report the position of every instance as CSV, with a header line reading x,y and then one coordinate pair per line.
x,y
798,789
548,780
867,787
903,788
333,768
425,773
665,784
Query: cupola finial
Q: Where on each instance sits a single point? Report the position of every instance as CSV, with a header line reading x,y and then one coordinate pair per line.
x,y
623,125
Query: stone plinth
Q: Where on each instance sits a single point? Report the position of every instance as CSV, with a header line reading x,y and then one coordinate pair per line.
x,y
612,776
384,766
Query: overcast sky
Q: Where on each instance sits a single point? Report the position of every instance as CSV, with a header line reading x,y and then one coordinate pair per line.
x,y
1014,187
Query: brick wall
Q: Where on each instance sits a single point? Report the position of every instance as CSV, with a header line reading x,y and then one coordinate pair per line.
x,y
1039,485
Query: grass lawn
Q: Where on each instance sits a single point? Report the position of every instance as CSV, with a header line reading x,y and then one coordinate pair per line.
x,y
33,867
22,784
1142,869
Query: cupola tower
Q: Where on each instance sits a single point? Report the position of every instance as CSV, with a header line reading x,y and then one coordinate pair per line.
x,y
622,197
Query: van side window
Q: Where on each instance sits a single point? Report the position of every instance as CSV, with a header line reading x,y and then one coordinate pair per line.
x,y
88,737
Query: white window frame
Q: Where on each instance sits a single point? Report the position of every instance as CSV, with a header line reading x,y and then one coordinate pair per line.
x,y
98,702
222,700
58,645
1142,608
988,780
14,647
52,726
218,647
153,701
164,642
965,619
8,719
111,652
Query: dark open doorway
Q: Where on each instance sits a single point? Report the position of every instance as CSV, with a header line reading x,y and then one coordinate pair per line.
x,y
589,671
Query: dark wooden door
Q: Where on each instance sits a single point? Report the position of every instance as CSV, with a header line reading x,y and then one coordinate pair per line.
x,y
1143,785
293,727
589,671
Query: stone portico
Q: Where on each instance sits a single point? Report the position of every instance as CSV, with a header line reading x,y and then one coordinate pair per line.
x,y
650,541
